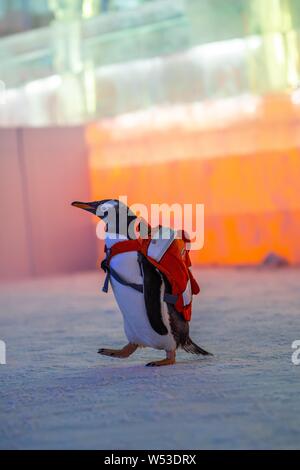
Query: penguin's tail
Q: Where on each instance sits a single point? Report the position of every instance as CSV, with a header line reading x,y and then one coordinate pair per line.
x,y
193,348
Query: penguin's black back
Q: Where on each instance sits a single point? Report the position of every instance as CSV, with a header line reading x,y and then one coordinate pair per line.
x,y
152,293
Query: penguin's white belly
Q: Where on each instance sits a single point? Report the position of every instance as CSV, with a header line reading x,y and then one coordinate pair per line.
x,y
132,305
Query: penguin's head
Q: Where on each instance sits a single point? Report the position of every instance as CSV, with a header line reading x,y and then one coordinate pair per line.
x,y
111,212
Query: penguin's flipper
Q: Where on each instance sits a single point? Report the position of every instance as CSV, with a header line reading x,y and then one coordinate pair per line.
x,y
152,295
193,348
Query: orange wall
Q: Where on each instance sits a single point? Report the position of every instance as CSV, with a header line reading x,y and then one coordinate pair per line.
x,y
246,172
251,197
250,210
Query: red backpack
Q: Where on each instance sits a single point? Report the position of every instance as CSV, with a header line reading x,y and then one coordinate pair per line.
x,y
170,256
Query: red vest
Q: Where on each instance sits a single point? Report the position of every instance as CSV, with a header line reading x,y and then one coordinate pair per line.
x,y
174,264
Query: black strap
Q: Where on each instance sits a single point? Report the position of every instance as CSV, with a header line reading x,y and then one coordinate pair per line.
x,y
106,282
117,277
169,298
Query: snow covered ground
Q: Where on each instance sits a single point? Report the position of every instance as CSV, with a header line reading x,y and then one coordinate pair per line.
x,y
56,392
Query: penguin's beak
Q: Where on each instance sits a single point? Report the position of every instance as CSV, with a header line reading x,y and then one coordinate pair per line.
x,y
87,206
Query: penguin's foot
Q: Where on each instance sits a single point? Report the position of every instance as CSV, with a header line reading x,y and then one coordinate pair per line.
x,y
129,349
170,359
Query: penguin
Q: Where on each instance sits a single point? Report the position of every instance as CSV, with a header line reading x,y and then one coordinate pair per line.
x,y
149,321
